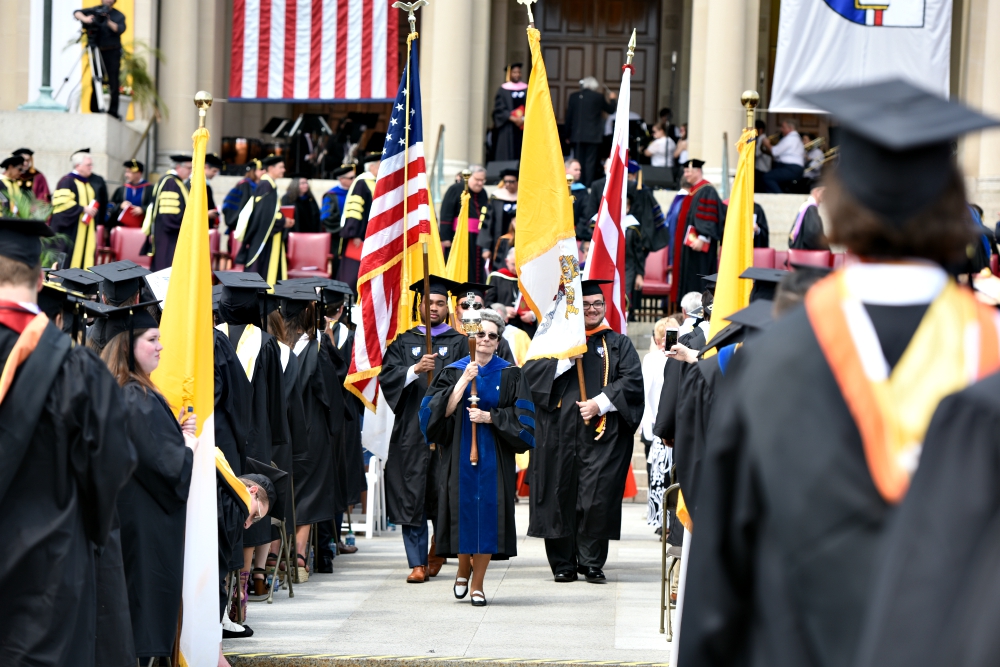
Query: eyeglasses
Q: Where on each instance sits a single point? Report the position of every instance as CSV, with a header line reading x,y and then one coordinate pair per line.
x,y
475,305
486,334
509,181
259,516
597,305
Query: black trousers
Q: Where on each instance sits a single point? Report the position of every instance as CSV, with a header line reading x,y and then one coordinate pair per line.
x,y
589,155
112,60
566,554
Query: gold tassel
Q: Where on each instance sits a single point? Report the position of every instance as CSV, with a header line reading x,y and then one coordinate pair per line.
x,y
604,383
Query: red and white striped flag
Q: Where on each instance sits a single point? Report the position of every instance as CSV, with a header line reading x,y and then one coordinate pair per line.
x,y
383,277
606,259
313,50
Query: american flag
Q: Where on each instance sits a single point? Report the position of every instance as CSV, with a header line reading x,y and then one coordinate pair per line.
x,y
381,276
313,50
606,259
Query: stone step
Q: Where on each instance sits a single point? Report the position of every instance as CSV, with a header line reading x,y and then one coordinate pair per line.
x,y
256,659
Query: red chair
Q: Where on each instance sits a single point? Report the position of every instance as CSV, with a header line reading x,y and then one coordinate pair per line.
x,y
780,259
309,255
820,258
994,264
126,243
839,258
103,254
234,249
213,248
763,258
656,280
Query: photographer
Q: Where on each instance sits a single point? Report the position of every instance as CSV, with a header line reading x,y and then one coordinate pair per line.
x,y
104,26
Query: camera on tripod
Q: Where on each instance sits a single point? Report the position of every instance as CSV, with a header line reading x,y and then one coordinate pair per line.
x,y
100,17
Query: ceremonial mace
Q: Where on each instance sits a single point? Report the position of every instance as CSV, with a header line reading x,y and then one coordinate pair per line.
x,y
750,99
472,323
531,17
427,310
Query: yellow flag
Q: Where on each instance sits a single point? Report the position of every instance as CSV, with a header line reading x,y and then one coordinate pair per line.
x,y
548,266
457,268
731,292
186,378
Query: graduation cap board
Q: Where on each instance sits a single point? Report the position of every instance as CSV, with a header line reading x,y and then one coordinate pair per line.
x,y
121,280
593,287
78,280
20,240
240,280
895,146
756,316
439,285
765,282
278,493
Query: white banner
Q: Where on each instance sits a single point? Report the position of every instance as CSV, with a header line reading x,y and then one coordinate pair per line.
x,y
839,43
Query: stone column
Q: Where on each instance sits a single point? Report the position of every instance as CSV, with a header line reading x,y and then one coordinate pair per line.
x,y
723,65
446,71
481,98
14,51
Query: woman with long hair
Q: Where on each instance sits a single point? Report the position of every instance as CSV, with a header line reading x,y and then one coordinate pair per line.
x,y
152,506
300,196
476,498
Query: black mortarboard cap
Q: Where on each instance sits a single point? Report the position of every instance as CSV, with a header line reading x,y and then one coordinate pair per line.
x,y
81,150
460,291
272,160
12,161
697,164
134,165
593,287
254,164
371,157
895,143
294,298
265,483
19,239
240,280
126,320
78,280
513,65
755,316
216,296
23,151
122,279
729,334
710,280
213,160
504,173
809,268
343,169
765,281
180,159
52,299
439,285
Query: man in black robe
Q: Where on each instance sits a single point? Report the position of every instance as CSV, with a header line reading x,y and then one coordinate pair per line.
x,y
508,115
578,470
242,313
357,209
585,126
410,488
794,496
500,213
74,208
451,206
132,198
165,217
807,232
262,228
63,461
698,233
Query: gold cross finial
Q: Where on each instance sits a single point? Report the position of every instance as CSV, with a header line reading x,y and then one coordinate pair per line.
x,y
409,8
631,49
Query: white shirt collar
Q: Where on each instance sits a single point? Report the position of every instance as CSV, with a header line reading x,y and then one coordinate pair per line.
x,y
898,284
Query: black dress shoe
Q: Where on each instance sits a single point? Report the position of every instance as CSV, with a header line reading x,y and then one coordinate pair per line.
x,y
230,634
595,575
565,577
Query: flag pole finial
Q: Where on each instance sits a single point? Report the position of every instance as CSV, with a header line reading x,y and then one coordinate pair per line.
x,y
466,175
631,49
750,99
409,8
203,100
531,17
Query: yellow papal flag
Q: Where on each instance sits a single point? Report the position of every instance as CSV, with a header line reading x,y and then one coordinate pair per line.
x,y
457,268
548,264
186,378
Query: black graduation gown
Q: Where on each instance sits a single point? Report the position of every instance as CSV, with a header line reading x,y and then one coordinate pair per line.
x,y
451,206
119,197
505,287
789,521
72,194
233,396
409,474
811,235
336,374
114,643
265,225
101,192
268,415
306,214
357,209
635,258
170,200
354,455
704,215
59,492
153,512
231,514
761,239
475,504
313,468
571,471
281,455
507,137
499,213
936,588
235,200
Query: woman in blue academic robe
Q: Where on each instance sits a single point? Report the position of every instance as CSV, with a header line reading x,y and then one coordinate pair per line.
x,y
476,501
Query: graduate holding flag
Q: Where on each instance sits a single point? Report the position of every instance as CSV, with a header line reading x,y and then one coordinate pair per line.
x,y
581,460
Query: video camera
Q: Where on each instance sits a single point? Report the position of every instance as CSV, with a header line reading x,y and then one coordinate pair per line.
x,y
100,15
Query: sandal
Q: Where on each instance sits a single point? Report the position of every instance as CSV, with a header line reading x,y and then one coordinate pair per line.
x,y
461,587
238,611
260,590
478,599
301,570
272,561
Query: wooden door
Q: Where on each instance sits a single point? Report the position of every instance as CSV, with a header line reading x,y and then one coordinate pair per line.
x,y
590,38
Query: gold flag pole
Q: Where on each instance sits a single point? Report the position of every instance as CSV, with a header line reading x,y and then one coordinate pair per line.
x,y
203,100
750,99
